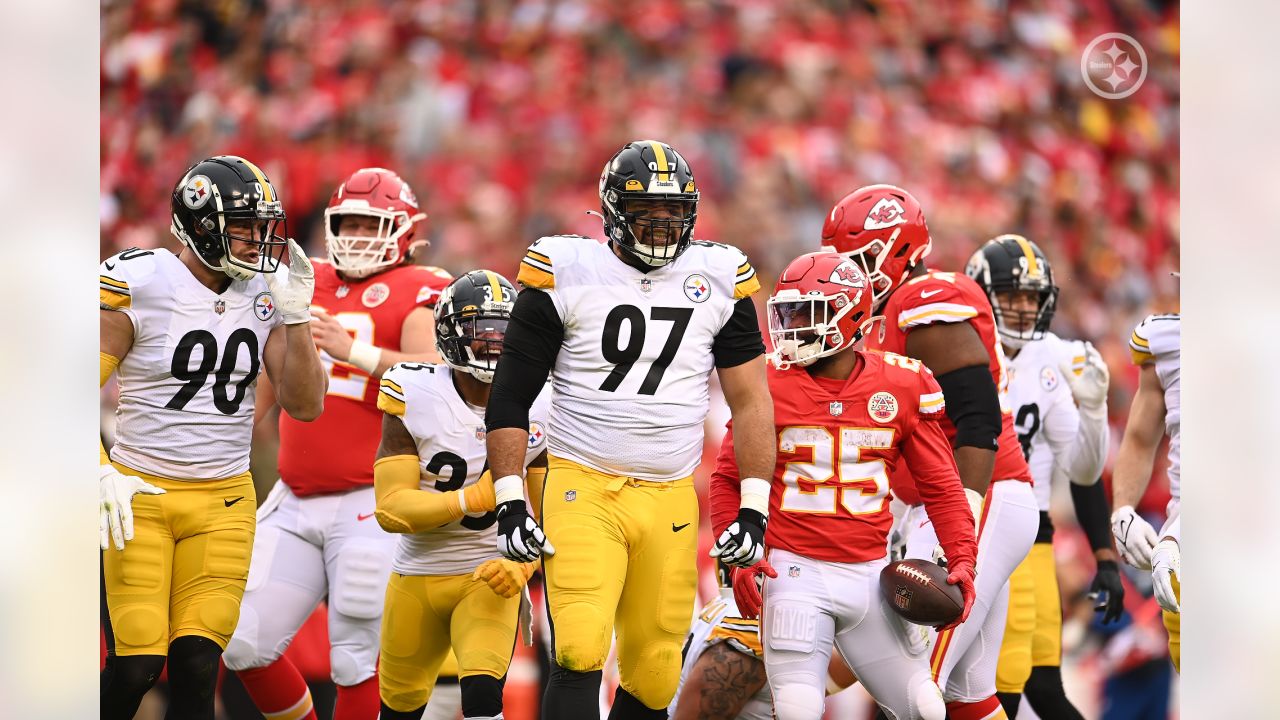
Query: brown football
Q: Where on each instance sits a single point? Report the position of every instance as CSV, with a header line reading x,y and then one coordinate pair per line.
x,y
918,591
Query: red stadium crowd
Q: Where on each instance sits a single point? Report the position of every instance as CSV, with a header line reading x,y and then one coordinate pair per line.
x,y
500,115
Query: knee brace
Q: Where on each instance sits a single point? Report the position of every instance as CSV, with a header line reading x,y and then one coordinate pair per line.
x,y
124,681
481,696
797,702
193,677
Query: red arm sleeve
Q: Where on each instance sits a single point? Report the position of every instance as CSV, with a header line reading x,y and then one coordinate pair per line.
x,y
725,484
928,454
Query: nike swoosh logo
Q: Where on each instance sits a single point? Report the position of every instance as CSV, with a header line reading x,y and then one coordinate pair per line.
x,y
926,294
229,503
926,522
678,528
110,266
362,518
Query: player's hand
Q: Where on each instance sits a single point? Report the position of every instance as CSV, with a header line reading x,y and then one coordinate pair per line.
x,y
330,336
505,578
1166,565
742,543
1089,387
1107,591
746,588
291,287
962,574
115,504
1135,538
519,537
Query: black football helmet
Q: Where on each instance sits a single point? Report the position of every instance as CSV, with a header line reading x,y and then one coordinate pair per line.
x,y
217,191
471,322
642,172
1008,264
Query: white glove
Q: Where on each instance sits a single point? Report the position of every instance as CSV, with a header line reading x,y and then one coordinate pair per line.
x,y
1166,564
1090,386
115,504
292,287
1135,538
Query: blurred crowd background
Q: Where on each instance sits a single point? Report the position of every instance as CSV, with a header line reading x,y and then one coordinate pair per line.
x,y
502,113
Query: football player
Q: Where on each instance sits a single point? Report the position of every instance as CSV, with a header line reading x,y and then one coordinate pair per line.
x,y
450,587
629,331
316,537
1048,377
723,676
844,419
1156,411
189,334
945,320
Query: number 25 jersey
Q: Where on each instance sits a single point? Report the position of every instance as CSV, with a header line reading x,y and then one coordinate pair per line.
x,y
187,383
631,376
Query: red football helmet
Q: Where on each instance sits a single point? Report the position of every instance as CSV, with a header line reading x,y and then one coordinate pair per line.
x,y
382,195
822,305
882,229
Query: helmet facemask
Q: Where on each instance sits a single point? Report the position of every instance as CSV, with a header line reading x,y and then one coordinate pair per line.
x,y
1018,326
213,241
804,328
641,227
472,342
871,259
360,255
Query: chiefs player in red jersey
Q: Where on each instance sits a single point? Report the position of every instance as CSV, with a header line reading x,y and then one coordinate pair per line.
x,y
945,320
316,534
845,419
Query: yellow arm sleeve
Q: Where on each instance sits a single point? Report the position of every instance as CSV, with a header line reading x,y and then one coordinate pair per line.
x,y
107,364
402,507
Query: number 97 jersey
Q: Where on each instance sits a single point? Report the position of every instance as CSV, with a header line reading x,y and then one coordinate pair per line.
x,y
187,383
450,437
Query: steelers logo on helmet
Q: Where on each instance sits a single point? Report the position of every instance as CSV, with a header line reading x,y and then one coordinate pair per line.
x,y
471,321
649,202
197,192
228,213
883,407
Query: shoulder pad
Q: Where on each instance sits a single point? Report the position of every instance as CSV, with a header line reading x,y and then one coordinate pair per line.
x,y
122,274
538,267
745,281
936,297
1155,334
741,634
424,281
398,382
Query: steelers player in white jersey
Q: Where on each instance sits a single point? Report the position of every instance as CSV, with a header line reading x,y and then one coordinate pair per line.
x,y
630,331
1155,347
1058,394
449,586
188,334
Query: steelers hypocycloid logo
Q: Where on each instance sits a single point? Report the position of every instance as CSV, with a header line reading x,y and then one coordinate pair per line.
x,y
883,407
696,288
197,192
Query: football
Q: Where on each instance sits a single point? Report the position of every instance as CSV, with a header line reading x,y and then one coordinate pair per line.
x,y
918,591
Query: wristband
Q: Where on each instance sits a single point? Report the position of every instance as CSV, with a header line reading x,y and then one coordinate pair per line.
x,y
365,356
755,495
508,489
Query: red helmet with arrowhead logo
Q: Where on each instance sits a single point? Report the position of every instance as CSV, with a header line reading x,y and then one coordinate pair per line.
x,y
882,229
821,306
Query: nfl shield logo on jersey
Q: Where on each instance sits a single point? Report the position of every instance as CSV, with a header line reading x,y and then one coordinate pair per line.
x,y
570,495
646,285
836,408
793,571
480,434
219,306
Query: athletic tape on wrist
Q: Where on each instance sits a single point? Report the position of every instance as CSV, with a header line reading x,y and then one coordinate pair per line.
x,y
365,356
508,489
755,495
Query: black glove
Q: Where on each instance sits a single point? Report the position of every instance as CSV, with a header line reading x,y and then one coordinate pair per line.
x,y
1107,591
519,537
742,543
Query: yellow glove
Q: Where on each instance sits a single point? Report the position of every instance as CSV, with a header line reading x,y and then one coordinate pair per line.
x,y
504,577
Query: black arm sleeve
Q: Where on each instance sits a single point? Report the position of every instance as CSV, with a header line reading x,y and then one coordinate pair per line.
x,y
973,406
739,340
1094,513
529,350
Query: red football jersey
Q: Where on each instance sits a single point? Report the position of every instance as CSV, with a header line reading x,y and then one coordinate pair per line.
x,y
335,452
946,297
837,447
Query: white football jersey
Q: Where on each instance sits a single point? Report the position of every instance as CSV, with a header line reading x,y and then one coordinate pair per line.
x,y
1158,339
719,622
451,455
631,376
187,384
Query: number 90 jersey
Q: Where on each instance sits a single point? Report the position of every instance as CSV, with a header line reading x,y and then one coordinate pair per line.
x,y
631,375
187,383
451,455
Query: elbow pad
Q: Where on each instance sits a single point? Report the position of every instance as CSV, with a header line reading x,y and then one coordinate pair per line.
x,y
973,405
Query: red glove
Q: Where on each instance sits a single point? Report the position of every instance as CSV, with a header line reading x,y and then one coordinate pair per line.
x,y
962,574
746,588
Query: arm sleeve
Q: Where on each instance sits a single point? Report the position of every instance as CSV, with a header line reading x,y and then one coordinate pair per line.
x,y
1094,513
725,487
1083,460
529,351
973,406
739,340
401,507
926,451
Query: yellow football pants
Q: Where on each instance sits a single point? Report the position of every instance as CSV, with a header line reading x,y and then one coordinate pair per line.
x,y
1173,624
184,571
625,562
425,615
1033,627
